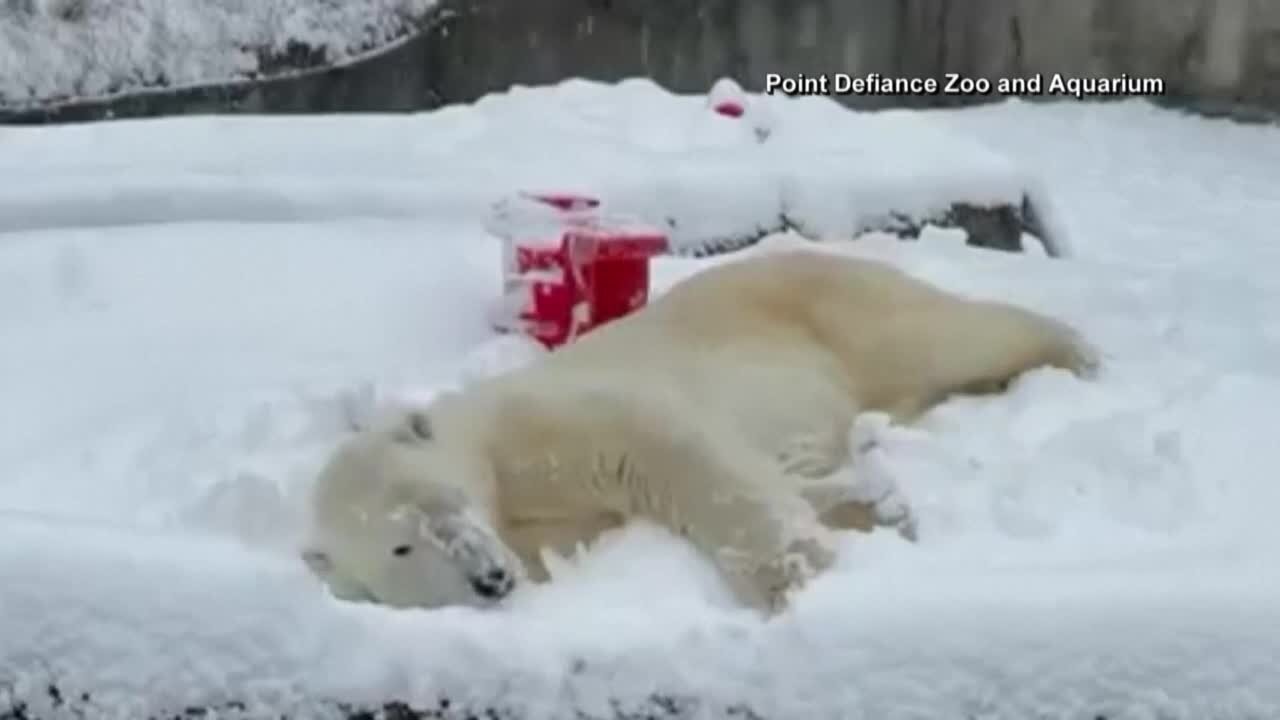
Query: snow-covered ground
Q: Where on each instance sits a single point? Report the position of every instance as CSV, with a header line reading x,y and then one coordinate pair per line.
x,y
189,307
58,50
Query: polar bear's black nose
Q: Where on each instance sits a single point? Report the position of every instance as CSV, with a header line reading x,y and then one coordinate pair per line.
x,y
494,584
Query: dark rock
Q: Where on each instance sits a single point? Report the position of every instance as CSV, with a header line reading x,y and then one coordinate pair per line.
x,y
999,227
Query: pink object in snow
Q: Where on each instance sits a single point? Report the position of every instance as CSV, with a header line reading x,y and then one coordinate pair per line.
x,y
730,108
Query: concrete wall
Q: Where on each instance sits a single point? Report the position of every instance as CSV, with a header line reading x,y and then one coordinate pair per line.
x,y
1211,53
1218,50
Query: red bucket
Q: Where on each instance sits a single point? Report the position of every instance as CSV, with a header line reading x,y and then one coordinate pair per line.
x,y
569,270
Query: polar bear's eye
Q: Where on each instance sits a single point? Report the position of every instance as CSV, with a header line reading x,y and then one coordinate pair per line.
x,y
401,550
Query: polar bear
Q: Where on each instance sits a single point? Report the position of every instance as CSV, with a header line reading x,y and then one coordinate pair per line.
x,y
721,411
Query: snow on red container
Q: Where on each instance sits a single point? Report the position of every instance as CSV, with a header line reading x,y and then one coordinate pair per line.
x,y
568,269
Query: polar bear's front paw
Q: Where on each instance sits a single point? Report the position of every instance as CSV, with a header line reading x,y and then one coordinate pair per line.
x,y
892,510
848,502
873,482
769,584
803,560
1087,362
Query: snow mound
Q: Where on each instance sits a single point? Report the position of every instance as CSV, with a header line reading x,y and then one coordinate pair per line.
x,y
661,157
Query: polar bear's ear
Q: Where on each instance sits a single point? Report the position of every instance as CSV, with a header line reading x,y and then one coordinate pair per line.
x,y
415,427
317,560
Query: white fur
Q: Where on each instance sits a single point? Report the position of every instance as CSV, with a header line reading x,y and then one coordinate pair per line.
x,y
722,412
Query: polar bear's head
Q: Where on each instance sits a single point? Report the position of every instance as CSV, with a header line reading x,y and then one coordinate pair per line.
x,y
400,518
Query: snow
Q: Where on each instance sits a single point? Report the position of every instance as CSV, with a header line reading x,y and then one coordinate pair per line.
x,y
67,50
664,158
192,311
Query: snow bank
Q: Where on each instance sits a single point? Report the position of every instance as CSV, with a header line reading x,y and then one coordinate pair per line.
x,y
1083,548
646,152
1087,549
147,622
54,50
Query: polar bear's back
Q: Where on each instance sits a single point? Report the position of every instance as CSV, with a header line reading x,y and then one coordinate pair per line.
x,y
779,273
789,303
791,289
811,323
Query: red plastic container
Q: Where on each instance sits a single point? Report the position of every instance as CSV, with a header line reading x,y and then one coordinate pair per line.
x,y
570,272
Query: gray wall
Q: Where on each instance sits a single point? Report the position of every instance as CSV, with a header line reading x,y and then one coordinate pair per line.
x,y
1213,54
1218,50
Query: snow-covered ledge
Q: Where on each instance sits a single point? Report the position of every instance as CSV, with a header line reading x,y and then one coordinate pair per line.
x,y
823,171
128,640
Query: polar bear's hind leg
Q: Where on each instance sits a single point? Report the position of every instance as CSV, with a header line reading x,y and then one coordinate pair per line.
x,y
991,344
924,355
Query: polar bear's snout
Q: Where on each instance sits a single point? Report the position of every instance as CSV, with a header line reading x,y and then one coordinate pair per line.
x,y
397,521
494,585
476,550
